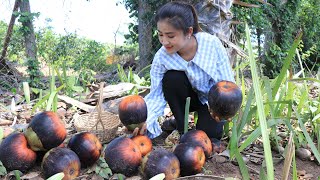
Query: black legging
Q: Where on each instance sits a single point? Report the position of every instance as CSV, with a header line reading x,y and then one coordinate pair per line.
x,y
176,88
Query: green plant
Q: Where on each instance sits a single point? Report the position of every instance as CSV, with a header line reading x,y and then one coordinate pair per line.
x,y
132,78
26,91
101,168
3,170
285,102
51,99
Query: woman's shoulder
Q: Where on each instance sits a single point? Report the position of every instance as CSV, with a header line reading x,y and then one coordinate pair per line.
x,y
204,36
161,55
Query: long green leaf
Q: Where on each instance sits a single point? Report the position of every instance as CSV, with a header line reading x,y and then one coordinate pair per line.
x,y
318,130
26,91
257,132
308,138
244,119
186,115
234,151
40,102
260,107
233,143
270,108
17,174
53,101
286,65
262,175
307,79
58,75
242,165
294,167
1,134
303,99
280,107
288,158
52,97
145,68
122,74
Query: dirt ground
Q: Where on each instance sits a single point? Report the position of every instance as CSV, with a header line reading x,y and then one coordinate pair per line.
x,y
307,169
221,166
216,167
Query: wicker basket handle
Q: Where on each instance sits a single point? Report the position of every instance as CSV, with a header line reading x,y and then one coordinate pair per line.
x,y
99,107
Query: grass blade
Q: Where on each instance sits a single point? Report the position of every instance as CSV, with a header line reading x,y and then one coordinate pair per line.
x,y
242,165
233,143
234,151
122,75
262,175
294,167
52,99
286,64
260,108
39,103
288,158
26,91
186,115
308,138
303,99
1,134
257,132
306,79
244,118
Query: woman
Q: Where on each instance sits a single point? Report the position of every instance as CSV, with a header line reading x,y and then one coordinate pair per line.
x,y
187,65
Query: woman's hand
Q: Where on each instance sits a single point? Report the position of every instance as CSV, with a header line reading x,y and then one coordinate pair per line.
x,y
140,131
217,118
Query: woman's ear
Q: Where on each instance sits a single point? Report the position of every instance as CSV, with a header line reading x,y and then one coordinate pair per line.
x,y
190,31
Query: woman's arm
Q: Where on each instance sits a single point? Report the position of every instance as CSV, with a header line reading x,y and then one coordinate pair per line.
x,y
155,99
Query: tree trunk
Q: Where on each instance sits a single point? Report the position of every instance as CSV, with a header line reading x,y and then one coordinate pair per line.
x,y
30,40
3,65
145,35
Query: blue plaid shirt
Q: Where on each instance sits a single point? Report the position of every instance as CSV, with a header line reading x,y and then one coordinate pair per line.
x,y
209,66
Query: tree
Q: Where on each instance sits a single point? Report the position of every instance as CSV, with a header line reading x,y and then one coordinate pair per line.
x,y
279,34
3,64
145,39
143,32
26,18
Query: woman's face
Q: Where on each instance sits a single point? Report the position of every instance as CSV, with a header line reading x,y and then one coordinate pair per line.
x,y
172,39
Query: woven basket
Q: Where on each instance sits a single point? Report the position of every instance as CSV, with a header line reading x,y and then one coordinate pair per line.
x,y
87,122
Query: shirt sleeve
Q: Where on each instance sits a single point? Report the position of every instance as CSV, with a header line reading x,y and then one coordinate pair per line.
x,y
155,99
224,70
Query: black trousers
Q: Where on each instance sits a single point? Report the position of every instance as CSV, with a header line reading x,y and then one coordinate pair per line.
x,y
176,88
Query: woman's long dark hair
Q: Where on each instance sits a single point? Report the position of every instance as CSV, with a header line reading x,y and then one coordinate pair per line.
x,y
180,15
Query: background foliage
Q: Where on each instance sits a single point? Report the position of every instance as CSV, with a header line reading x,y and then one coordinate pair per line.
x,y
274,25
